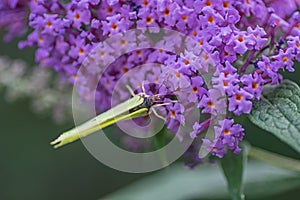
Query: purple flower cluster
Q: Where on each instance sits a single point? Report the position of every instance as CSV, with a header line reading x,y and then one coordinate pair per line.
x,y
13,18
227,135
243,44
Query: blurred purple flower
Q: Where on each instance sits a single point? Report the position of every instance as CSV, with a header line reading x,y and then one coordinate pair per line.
x,y
13,18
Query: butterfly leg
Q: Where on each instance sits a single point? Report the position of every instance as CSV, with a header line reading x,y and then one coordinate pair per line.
x,y
156,114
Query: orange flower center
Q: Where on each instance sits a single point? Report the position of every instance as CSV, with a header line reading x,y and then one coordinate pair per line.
x,y
122,42
285,59
226,132
102,53
240,39
186,62
76,16
172,114
226,74
267,66
145,3
114,26
184,17
74,76
49,24
208,3
81,51
211,19
225,4
41,39
125,70
109,10
177,74
149,20
166,12
239,97
255,85
211,104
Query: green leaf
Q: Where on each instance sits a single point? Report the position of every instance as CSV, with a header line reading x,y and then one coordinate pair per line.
x,y
207,182
279,112
233,168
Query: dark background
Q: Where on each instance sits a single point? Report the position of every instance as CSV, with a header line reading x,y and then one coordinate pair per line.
x,y
31,169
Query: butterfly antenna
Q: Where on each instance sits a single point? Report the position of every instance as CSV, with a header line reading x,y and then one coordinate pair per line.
x,y
130,90
143,87
167,76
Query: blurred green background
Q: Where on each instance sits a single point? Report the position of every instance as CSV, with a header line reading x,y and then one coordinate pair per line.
x,y
31,169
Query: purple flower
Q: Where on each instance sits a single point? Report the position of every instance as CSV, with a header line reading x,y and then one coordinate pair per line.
x,y
78,17
147,19
79,49
215,148
227,135
294,44
284,59
213,102
200,127
176,79
175,117
231,15
115,24
239,42
226,83
196,130
240,102
227,69
51,24
257,37
197,89
185,18
61,46
211,17
253,84
166,12
269,70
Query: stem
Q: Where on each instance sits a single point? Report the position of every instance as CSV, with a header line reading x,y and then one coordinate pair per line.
x,y
274,158
244,68
289,30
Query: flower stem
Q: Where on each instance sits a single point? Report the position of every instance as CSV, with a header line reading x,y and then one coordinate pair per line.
x,y
248,61
275,159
